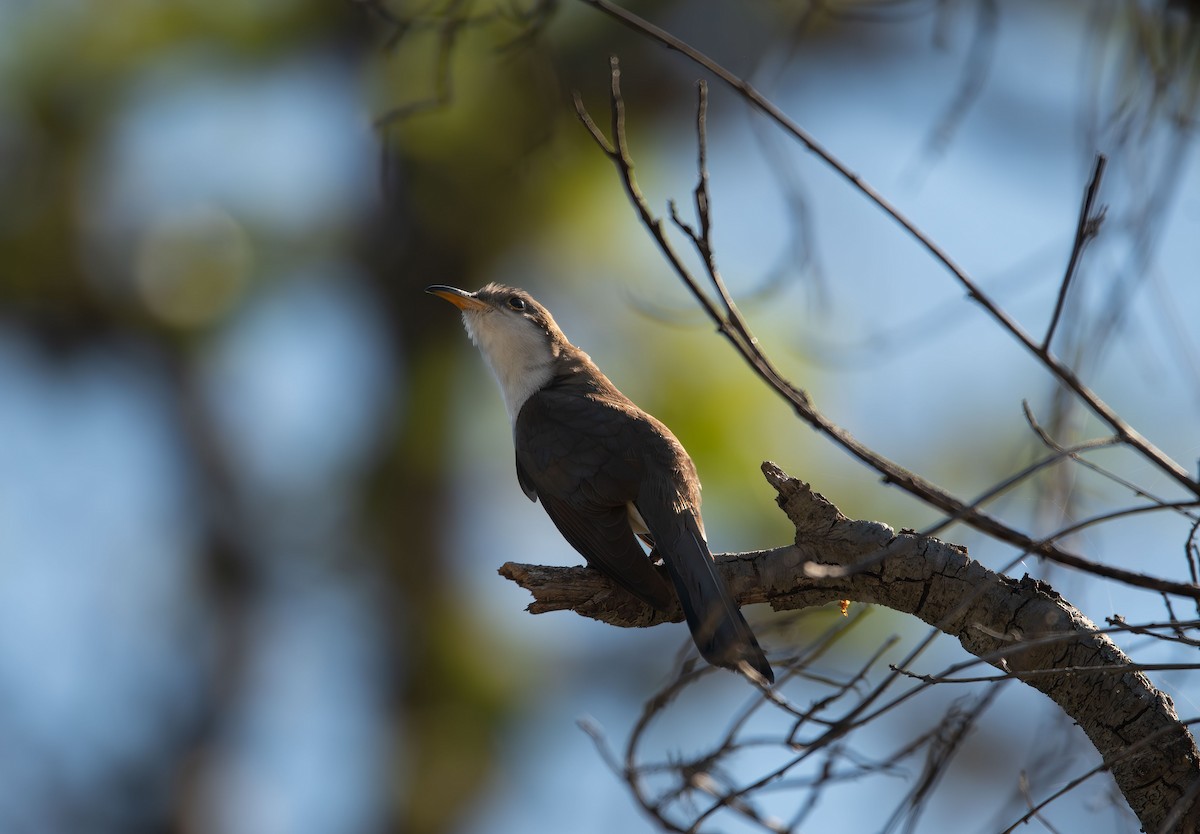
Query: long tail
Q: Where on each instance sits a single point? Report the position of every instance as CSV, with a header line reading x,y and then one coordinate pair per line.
x,y
717,625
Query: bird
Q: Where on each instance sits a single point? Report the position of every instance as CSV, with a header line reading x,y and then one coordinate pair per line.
x,y
606,472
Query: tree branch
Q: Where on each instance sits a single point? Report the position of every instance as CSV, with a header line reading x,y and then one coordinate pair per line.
x,y
1055,366
1020,626
1087,227
733,327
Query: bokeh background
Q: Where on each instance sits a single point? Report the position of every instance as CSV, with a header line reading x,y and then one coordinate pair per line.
x,y
255,486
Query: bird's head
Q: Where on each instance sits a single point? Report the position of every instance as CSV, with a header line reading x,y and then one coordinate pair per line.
x,y
517,336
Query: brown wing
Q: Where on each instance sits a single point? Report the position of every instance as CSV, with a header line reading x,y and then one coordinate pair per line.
x,y
573,452
588,456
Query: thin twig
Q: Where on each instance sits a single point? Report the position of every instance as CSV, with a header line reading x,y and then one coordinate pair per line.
x,y
1058,455
1135,748
1086,229
732,325
1057,368
1157,506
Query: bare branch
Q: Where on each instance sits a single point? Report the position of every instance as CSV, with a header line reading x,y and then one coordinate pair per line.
x,y
733,326
1021,626
1064,374
1086,229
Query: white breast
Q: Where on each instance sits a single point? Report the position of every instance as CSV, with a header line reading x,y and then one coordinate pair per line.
x,y
516,350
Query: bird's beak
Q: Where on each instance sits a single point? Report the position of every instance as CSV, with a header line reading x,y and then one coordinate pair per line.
x,y
461,299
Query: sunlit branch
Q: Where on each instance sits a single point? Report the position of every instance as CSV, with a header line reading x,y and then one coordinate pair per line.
x,y
1021,627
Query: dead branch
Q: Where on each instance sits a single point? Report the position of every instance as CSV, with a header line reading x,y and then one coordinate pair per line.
x,y
1060,370
1022,627
732,325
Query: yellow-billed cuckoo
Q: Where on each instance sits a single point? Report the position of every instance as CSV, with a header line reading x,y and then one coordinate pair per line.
x,y
605,470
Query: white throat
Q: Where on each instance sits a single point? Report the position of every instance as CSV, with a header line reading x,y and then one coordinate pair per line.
x,y
518,353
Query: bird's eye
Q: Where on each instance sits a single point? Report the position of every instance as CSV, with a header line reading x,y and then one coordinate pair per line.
x,y
516,302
